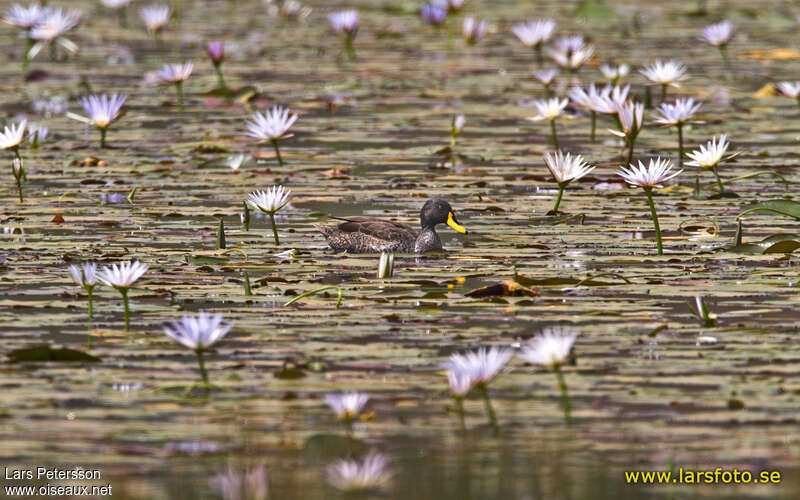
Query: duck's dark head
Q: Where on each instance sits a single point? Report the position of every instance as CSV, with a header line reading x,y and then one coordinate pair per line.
x,y
437,211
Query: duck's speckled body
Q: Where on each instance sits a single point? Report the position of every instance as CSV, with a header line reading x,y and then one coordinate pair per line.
x,y
372,235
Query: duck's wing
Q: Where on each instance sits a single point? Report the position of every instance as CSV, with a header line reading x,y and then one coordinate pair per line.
x,y
381,229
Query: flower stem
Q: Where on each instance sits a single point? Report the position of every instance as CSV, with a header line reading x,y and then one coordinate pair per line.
x,y
561,187
202,366
179,89
348,48
562,385
221,79
719,180
460,407
28,46
649,192
680,145
103,137
19,188
277,151
594,124
124,292
539,56
274,228
663,93
90,290
553,130
630,150
487,403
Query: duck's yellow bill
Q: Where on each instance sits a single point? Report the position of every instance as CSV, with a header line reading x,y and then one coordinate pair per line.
x,y
451,221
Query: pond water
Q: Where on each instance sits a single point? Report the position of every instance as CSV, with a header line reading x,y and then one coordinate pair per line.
x,y
651,387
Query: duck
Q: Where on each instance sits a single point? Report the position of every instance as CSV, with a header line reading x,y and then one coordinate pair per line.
x,y
374,235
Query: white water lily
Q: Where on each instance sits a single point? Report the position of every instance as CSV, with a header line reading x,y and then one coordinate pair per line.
x,y
355,476
533,33
12,136
678,113
51,29
25,17
197,332
551,348
614,73
271,200
665,73
347,405
718,34
345,21
473,30
789,89
571,59
481,366
85,274
270,125
155,17
653,175
174,73
545,76
123,275
548,109
566,168
631,117
710,154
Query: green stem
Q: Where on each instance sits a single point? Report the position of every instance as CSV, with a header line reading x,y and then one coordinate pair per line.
x,y
561,187
727,60
123,18
548,93
103,131
277,151
317,290
594,124
274,228
553,130
90,291
202,366
719,180
663,93
562,385
649,192
630,150
539,56
222,80
460,407
349,50
124,292
680,145
179,89
28,46
19,188
487,403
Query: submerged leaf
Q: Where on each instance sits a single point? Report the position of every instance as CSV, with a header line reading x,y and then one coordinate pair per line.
x,y
47,353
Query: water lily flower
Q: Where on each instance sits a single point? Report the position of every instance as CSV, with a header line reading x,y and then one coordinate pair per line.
x,y
614,73
549,109
535,34
12,137
677,115
649,177
50,30
456,127
176,74
198,333
473,30
630,118
271,126
18,170
719,35
250,484
565,168
546,77
25,18
355,476
216,52
595,101
789,89
103,110
433,14
385,265
665,74
269,202
552,349
122,277
571,53
710,155
453,5
479,368
294,10
120,7
85,276
37,135
346,23
347,406
156,18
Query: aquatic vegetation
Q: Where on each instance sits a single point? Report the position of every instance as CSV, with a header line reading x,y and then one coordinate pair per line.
x,y
25,18
250,484
550,109
18,169
649,177
595,101
677,115
614,74
198,333
37,135
665,74
571,53
630,118
122,277
719,35
473,30
85,276
347,406
477,369
216,52
345,22
710,155
269,202
535,34
552,349
456,127
546,78
271,126
103,110
155,17
790,89
565,168
50,30
11,138
386,265
176,74
359,476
